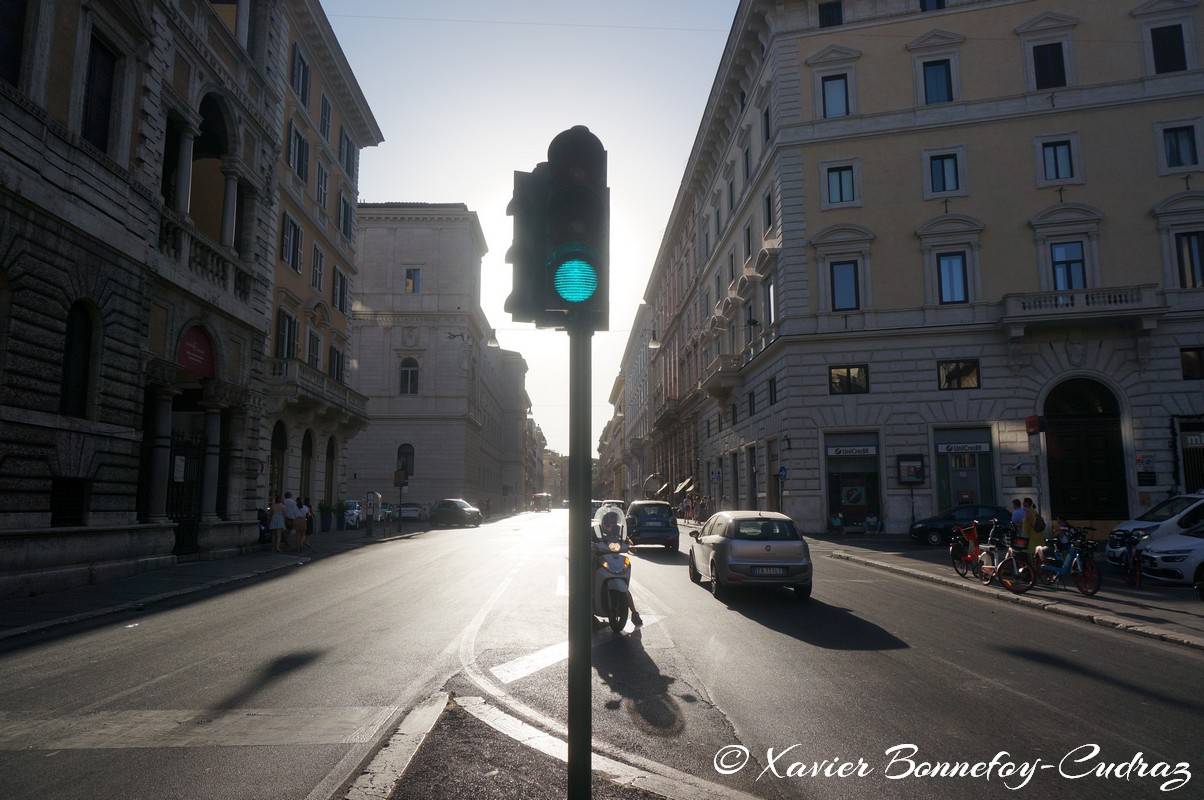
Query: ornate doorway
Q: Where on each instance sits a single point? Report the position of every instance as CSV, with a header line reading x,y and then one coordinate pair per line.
x,y
1085,452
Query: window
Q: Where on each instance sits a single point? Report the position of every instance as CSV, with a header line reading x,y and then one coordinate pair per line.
x,y
1188,249
957,374
768,212
298,152
932,5
952,272
835,95
339,291
1068,264
413,280
752,404
733,407
69,499
409,376
845,295
300,77
321,182
731,194
78,363
747,156
1049,66
348,155
748,241
290,242
100,93
1191,359
1179,145
718,224
346,216
841,185
316,270
1057,160
1167,46
334,364
943,173
830,14
405,459
313,350
12,35
324,118
938,82
287,331
853,379
765,129
773,390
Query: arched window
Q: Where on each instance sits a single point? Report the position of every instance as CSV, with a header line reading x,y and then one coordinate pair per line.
x,y
78,362
405,459
409,376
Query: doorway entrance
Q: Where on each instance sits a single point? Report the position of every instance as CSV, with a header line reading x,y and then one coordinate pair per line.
x,y
1085,452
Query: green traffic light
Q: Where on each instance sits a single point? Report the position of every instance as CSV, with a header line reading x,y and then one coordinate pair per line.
x,y
576,280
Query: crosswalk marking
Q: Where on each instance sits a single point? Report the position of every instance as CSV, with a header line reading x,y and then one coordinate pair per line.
x,y
531,663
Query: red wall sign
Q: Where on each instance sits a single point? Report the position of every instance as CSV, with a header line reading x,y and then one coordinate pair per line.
x,y
195,353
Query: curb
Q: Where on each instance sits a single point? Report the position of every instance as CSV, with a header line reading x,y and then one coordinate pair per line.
x,y
379,778
1093,617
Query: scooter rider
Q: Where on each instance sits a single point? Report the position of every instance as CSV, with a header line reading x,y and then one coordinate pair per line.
x,y
612,533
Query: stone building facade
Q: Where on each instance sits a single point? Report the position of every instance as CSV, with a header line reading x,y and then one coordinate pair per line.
x,y
931,253
138,233
446,408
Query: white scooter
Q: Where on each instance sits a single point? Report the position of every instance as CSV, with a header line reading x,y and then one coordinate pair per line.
x,y
611,567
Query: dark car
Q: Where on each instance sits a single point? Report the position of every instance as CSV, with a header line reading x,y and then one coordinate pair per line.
x,y
652,522
455,512
938,530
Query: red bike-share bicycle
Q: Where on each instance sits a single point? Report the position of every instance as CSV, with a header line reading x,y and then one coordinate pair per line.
x,y
964,551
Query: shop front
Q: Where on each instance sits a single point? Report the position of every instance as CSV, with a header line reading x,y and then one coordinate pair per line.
x,y
964,467
854,480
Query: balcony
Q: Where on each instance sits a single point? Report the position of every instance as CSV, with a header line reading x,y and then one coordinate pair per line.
x,y
721,376
666,415
293,382
204,259
1143,305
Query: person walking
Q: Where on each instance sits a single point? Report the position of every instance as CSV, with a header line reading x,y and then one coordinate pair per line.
x,y
301,524
290,516
276,522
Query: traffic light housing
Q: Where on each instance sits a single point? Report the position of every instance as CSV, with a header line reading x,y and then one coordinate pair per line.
x,y
577,280
560,252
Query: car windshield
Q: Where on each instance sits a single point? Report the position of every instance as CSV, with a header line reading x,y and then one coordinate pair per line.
x,y
765,530
352,504
657,510
1168,508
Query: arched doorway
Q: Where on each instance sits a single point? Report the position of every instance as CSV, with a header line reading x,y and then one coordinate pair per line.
x,y
307,463
1085,452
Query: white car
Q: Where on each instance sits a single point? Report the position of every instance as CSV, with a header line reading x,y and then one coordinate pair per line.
x,y
1168,518
1175,559
750,548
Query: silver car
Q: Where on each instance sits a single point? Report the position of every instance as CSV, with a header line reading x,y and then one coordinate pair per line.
x,y
750,548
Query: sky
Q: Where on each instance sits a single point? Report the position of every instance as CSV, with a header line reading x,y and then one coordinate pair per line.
x,y
466,93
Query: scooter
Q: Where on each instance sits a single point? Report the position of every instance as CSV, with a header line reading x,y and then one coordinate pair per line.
x,y
612,568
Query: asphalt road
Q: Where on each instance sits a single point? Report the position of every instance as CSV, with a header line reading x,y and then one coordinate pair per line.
x,y
284,687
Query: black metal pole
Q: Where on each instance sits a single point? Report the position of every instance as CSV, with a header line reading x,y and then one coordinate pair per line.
x,y
580,708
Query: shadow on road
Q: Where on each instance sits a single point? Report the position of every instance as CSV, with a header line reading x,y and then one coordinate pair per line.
x,y
643,689
811,621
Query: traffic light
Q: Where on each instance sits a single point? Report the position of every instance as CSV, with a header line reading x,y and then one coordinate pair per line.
x,y
528,253
578,229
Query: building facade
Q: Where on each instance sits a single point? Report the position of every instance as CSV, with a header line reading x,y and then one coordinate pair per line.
x,y
446,407
311,410
138,239
932,253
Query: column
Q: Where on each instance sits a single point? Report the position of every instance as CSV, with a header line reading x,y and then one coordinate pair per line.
x,y
242,22
184,170
229,206
160,456
213,450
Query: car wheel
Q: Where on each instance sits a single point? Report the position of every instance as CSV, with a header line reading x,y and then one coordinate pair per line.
x,y
934,538
695,576
717,588
802,591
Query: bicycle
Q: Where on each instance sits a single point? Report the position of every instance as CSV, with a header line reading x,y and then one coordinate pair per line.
x,y
1078,562
964,551
1016,572
1130,564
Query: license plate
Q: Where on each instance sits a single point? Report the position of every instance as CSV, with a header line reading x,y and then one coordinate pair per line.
x,y
768,570
655,523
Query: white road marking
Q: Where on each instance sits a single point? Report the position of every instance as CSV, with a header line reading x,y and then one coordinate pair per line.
x,y
531,663
240,727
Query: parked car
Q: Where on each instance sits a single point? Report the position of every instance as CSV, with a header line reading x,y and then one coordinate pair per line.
x,y
455,512
1168,518
387,512
412,512
354,514
652,522
938,529
1178,558
750,548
